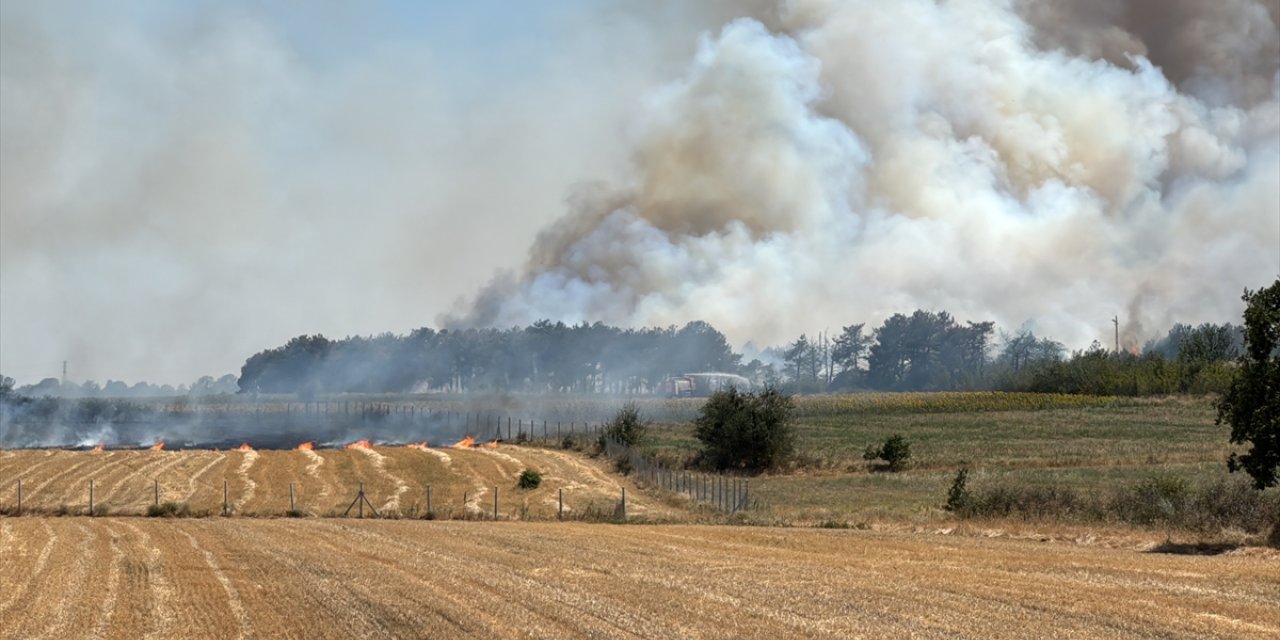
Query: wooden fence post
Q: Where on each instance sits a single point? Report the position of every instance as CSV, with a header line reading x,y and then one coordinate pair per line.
x,y
428,500
291,503
624,503
91,498
224,497
559,513
495,499
19,496
157,492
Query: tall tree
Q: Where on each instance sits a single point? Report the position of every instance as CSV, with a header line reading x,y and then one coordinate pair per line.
x,y
1252,403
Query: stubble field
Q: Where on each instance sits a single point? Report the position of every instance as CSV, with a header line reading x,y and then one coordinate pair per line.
x,y
914,571
462,481
326,578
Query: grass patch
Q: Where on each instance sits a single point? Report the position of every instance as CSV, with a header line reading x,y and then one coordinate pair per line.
x,y
1167,501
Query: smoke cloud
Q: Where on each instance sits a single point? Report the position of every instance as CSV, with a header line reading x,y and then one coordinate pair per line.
x,y
1035,163
184,185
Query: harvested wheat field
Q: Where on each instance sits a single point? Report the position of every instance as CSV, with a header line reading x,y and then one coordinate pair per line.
x,y
324,578
325,481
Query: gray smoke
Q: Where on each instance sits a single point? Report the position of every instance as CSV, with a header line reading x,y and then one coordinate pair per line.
x,y
1036,163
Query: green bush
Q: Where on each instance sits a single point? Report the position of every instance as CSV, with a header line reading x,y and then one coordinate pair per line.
x,y
958,496
529,479
895,451
747,431
628,428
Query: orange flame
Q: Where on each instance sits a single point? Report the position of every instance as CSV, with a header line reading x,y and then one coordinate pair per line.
x,y
243,447
98,449
158,446
418,445
307,446
359,444
492,444
465,442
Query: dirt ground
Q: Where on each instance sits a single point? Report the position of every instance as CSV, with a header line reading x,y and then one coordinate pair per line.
x,y
128,577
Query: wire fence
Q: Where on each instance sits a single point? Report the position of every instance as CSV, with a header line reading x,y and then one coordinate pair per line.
x,y
722,492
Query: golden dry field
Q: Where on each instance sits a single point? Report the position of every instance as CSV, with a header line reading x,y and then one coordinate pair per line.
x,y
120,577
325,481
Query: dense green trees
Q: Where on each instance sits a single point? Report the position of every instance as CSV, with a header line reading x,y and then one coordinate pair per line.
x,y
928,351
544,356
1251,404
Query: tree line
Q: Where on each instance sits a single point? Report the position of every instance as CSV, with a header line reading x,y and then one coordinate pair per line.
x,y
923,351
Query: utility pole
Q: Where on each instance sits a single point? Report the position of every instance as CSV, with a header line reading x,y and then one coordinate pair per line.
x,y
1116,322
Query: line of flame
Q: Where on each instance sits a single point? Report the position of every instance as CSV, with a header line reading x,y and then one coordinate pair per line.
x,y
306,446
359,444
158,446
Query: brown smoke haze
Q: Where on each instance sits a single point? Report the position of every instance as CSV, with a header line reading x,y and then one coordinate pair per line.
x,y
182,189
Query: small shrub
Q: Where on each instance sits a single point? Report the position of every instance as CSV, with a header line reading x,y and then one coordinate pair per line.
x,y
295,513
628,428
958,495
529,479
622,465
169,510
895,451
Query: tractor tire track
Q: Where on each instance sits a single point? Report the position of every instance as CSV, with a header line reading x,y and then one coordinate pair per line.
x,y
232,596
250,487
155,613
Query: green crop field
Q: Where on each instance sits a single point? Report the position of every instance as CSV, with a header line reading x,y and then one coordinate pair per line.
x,y
1084,443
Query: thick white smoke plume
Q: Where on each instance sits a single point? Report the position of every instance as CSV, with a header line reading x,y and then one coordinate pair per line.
x,y
1014,161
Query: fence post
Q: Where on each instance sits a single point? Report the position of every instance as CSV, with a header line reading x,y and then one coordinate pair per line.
x,y
19,496
291,503
495,500
559,512
360,500
91,498
224,498
624,503
428,500
157,492
746,496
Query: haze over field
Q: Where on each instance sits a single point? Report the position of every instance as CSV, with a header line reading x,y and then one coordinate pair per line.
x,y
182,186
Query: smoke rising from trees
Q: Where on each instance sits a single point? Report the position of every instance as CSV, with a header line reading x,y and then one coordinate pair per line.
x,y
1028,162
186,184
